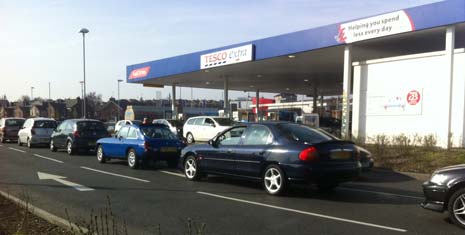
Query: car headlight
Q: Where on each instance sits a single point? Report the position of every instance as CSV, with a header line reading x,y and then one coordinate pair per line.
x,y
438,179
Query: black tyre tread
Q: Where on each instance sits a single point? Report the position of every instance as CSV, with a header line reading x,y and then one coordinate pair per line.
x,y
450,205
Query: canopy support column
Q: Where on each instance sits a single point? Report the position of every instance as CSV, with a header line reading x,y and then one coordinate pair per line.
x,y
257,105
450,46
173,102
347,85
226,98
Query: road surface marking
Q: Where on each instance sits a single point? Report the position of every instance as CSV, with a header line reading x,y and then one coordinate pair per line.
x,y
51,159
378,192
305,212
173,173
114,174
18,150
1,145
61,179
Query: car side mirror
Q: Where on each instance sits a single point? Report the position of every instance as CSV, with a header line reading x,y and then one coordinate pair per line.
x,y
213,143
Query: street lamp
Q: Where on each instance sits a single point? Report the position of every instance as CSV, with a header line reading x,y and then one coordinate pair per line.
x,y
32,93
82,94
119,80
84,31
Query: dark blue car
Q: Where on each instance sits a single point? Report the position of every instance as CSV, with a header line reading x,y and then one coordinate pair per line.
x,y
138,144
276,153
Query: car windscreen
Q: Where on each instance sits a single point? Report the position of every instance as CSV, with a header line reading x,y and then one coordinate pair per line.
x,y
14,122
303,134
157,132
90,126
225,121
45,124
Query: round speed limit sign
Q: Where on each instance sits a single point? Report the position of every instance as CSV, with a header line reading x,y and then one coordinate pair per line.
x,y
413,97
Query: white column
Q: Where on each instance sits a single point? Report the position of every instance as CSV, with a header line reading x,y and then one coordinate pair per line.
x,y
226,98
450,45
346,92
257,104
173,102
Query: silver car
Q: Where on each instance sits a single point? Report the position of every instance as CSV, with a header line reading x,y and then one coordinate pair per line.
x,y
36,131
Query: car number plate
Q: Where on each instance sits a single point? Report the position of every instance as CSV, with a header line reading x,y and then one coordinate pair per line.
x,y
168,149
340,155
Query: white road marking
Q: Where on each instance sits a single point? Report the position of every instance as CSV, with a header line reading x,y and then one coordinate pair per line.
x,y
381,193
61,179
305,212
1,145
51,159
18,150
173,173
114,174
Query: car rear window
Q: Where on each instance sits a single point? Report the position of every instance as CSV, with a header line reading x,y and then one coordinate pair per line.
x,y
225,121
90,126
45,124
303,134
14,122
157,132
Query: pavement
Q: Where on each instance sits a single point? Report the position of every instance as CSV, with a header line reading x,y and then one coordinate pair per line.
x,y
380,202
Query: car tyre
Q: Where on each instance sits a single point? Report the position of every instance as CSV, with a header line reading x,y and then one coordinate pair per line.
x,y
52,146
100,156
190,138
456,208
132,159
274,180
69,148
191,169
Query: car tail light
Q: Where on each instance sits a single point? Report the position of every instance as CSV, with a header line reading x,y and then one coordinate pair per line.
x,y
146,146
76,133
309,154
33,131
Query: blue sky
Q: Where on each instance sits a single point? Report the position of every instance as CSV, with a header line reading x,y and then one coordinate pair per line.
x,y
40,43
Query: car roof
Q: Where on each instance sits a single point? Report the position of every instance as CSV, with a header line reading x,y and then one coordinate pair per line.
x,y
206,117
42,118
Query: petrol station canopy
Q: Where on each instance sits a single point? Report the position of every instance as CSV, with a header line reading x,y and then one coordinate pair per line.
x,y
311,60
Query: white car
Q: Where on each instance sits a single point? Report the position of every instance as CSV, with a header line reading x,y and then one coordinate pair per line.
x,y
204,128
122,123
36,131
174,125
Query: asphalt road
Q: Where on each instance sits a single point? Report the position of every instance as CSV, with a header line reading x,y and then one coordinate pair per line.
x,y
379,203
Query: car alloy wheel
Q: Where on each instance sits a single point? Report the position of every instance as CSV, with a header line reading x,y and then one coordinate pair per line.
x,y
190,138
52,146
69,148
132,159
456,208
274,180
190,168
100,156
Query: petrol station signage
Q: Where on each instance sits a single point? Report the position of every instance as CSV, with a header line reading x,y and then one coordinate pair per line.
x,y
374,27
226,57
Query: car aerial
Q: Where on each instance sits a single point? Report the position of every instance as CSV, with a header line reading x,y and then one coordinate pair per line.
x,y
203,128
77,134
275,153
122,123
9,128
139,143
174,125
445,191
36,131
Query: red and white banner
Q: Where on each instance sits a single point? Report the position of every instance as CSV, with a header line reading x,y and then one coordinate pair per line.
x,y
139,73
395,102
374,27
226,57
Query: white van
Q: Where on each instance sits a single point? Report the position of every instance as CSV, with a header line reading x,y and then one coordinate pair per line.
x,y
204,128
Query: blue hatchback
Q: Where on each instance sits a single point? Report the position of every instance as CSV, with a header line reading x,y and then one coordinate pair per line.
x,y
138,144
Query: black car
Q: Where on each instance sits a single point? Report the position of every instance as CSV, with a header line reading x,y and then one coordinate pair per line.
x,y
445,191
77,134
276,153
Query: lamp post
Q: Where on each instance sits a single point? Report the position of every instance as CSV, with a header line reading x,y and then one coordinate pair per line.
x,y
84,31
82,94
32,93
119,80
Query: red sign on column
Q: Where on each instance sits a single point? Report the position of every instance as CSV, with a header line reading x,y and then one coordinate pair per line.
x,y
413,97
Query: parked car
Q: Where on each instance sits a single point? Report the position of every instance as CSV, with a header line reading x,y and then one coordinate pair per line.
x,y
122,123
77,134
110,126
204,128
138,144
366,159
275,153
36,131
9,128
445,191
175,126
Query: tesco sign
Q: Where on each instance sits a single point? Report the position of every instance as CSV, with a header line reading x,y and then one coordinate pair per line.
x,y
226,57
139,73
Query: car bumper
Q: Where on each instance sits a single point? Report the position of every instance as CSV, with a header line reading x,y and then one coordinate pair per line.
x,y
318,174
40,140
85,143
435,196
